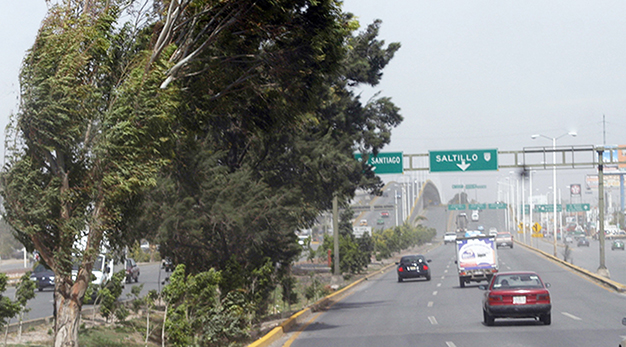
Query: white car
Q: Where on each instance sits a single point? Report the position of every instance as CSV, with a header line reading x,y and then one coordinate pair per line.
x,y
475,215
449,237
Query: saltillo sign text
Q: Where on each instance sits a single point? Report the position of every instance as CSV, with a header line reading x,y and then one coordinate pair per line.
x,y
463,160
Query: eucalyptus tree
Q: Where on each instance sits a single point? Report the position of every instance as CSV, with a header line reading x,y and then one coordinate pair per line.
x,y
265,157
90,135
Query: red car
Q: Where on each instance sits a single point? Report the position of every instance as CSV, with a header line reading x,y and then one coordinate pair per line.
x,y
516,295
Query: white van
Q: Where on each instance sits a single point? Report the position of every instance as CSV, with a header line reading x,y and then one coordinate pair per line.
x,y
103,269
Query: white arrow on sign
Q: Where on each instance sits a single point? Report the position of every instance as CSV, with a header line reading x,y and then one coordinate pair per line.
x,y
463,166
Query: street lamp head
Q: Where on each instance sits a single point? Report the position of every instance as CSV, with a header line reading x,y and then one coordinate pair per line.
x,y
534,136
572,134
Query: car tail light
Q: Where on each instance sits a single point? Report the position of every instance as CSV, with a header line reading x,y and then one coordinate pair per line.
x,y
425,267
495,299
400,269
543,297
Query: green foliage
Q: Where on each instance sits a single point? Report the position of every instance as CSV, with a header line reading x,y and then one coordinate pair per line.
x,y
110,294
25,291
389,241
8,308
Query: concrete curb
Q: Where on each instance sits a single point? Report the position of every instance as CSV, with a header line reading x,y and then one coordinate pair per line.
x,y
620,288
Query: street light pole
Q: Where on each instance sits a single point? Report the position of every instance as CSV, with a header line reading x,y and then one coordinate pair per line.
x,y
554,213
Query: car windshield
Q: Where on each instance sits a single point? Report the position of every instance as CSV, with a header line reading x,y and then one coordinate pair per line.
x,y
503,235
40,268
517,281
412,259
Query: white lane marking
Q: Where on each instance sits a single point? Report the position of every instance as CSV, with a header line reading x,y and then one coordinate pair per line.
x,y
571,316
430,304
435,292
432,320
442,277
438,284
450,344
445,271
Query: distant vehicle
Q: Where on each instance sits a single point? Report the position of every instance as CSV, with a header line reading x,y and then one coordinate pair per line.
x,y
475,216
384,214
167,264
363,222
493,231
380,221
516,295
476,259
449,237
413,266
504,239
132,271
43,277
617,244
583,242
461,222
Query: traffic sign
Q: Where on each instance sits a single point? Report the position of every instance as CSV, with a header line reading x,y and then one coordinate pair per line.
x,y
456,207
520,228
384,163
463,160
477,206
536,227
548,208
497,206
577,207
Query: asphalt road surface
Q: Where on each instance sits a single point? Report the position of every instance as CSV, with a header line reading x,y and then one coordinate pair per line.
x,y
383,312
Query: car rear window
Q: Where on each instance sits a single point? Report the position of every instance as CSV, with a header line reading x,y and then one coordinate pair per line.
x,y
411,259
517,281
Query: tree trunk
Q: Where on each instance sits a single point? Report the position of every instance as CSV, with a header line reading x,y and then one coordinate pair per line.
x,y
67,320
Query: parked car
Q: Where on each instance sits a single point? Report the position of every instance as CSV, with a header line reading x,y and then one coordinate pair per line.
x,y
167,264
380,221
617,244
504,239
516,295
132,270
449,237
363,222
384,214
43,277
413,266
583,241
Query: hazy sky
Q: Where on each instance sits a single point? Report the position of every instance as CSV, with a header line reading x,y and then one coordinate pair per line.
x,y
469,74
489,74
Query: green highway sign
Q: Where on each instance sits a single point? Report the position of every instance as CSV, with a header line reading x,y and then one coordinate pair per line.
x,y
548,208
577,207
463,160
457,207
384,163
477,206
500,206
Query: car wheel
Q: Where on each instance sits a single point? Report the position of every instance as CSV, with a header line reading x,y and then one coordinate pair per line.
x,y
462,283
487,318
40,289
399,279
546,319
428,277
137,279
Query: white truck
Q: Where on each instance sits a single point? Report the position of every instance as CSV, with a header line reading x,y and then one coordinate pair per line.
x,y
476,258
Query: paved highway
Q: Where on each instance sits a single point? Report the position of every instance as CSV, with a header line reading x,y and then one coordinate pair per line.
x,y
383,312
41,306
